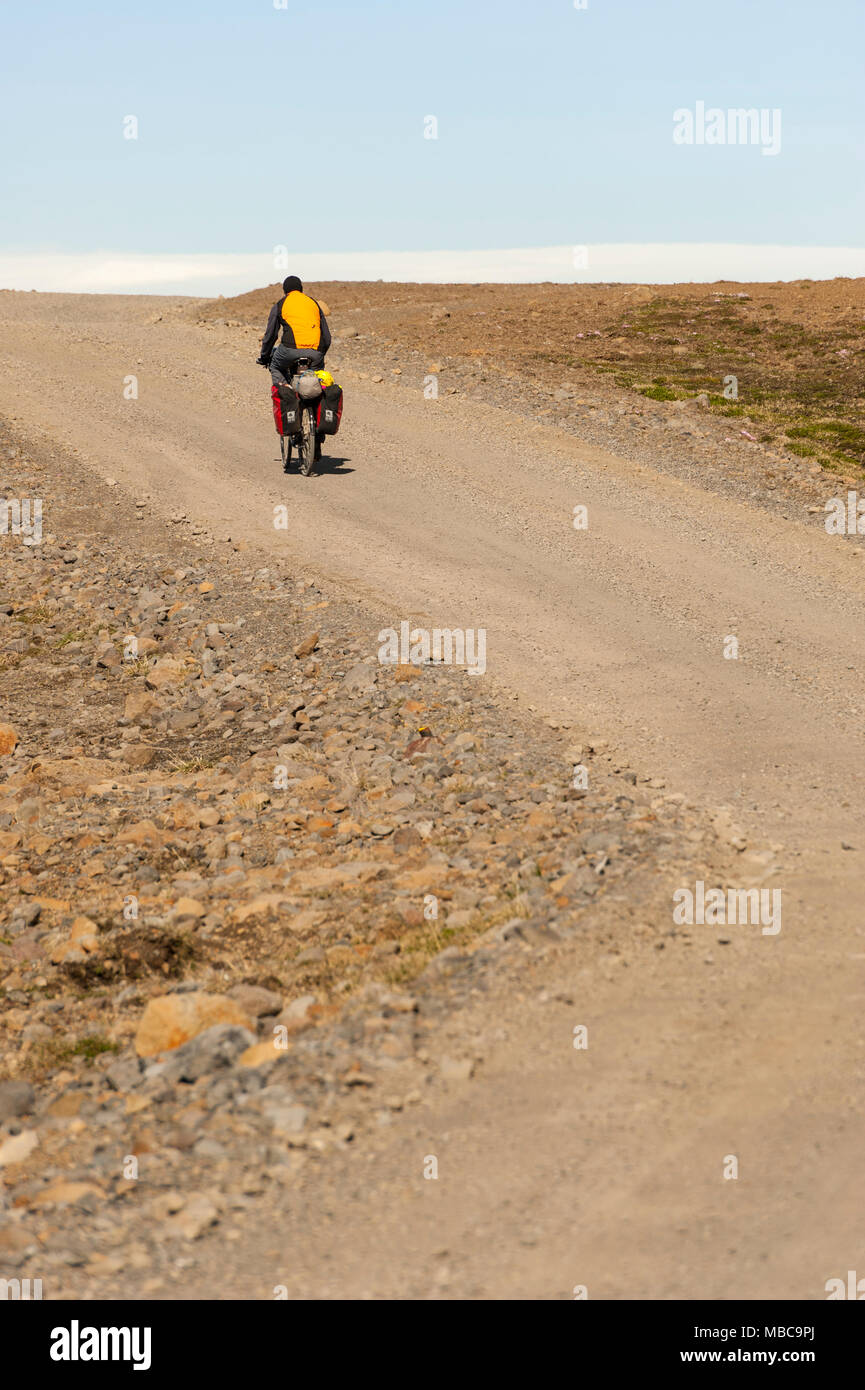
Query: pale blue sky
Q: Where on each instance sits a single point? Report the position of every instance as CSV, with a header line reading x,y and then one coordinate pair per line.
x,y
304,125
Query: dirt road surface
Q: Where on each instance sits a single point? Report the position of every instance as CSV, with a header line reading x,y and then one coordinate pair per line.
x,y
601,1168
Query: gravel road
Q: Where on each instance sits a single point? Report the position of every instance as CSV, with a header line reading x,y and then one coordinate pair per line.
x,y
558,1167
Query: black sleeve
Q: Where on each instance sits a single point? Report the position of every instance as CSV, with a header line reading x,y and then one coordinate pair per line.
x,y
324,341
270,333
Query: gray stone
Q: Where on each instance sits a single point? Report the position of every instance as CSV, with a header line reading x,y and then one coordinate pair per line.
x,y
255,1000
27,914
287,1119
360,678
125,1073
313,955
16,1098
298,1009
215,1049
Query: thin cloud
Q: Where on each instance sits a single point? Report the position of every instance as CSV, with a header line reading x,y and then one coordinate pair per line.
x,y
212,274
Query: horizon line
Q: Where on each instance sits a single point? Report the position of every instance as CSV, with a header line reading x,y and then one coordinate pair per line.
x,y
205,274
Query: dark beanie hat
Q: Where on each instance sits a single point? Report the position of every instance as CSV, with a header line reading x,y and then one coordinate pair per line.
x,y
291,283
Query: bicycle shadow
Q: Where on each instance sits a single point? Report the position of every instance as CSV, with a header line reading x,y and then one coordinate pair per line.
x,y
333,464
327,464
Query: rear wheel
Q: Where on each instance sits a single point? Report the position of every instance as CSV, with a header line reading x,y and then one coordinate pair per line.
x,y
306,444
285,450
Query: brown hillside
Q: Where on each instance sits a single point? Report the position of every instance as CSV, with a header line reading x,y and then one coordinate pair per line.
x,y
796,348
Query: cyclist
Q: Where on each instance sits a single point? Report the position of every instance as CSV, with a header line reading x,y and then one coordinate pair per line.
x,y
304,332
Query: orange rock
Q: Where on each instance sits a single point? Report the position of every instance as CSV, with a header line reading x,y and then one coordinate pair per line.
x,y
261,1053
139,703
83,929
143,832
137,755
167,671
308,645
425,878
314,784
188,907
83,938
172,1019
8,739
75,772
87,841
258,907
135,1104
61,1193
40,844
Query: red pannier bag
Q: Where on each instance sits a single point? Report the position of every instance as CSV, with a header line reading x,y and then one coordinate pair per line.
x,y
329,411
286,409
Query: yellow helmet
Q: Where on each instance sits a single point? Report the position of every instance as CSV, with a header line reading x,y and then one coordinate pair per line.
x,y
325,378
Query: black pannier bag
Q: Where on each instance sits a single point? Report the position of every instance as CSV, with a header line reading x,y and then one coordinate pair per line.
x,y
329,410
286,409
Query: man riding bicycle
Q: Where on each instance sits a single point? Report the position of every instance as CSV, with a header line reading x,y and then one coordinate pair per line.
x,y
305,333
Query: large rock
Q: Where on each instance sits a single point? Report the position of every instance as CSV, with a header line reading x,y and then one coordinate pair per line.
x,y
62,1193
139,704
82,941
257,1001
143,832
19,1147
137,755
196,1215
262,1054
360,678
213,1050
169,671
172,1019
308,645
73,773
187,907
8,740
